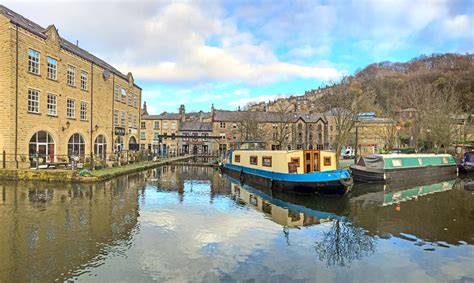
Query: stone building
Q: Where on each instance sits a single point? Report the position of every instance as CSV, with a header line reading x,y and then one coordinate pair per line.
x,y
195,138
158,132
59,100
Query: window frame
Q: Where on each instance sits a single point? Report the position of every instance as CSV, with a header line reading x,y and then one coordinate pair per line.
x,y
71,109
51,69
295,160
71,75
327,161
84,80
32,64
83,111
237,158
266,158
255,157
34,103
52,106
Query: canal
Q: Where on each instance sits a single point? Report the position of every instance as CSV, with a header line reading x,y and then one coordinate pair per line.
x,y
189,223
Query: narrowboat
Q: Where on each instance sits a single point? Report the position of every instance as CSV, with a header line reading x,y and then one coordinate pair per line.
x,y
467,165
301,171
402,167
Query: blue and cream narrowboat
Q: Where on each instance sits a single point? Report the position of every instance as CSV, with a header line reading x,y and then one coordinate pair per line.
x,y
305,171
403,167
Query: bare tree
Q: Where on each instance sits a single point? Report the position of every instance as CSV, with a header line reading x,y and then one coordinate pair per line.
x,y
388,134
281,128
345,103
248,126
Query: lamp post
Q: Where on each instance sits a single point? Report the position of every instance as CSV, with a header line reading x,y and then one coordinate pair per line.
x,y
356,141
398,127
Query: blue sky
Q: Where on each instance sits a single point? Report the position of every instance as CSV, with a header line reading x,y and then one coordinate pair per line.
x,y
234,52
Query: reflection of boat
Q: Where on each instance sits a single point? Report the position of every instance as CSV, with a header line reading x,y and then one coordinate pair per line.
x,y
284,213
400,167
295,170
467,165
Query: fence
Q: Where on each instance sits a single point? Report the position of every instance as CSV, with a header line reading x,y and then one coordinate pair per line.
x,y
43,160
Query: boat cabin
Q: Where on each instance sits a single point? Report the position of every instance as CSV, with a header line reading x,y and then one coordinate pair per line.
x,y
282,161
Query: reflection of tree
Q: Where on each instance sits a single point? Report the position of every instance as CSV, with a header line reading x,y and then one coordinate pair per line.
x,y
344,243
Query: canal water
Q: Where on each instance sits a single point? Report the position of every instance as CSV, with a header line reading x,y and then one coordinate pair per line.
x,y
188,223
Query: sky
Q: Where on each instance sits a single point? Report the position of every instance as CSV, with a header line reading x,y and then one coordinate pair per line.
x,y
231,53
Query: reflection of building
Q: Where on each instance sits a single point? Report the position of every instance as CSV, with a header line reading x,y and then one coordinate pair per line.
x,y
59,100
281,215
52,231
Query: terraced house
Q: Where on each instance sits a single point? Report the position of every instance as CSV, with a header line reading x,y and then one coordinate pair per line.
x,y
59,100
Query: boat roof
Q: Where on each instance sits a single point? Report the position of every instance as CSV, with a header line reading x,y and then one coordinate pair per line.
x,y
395,155
279,151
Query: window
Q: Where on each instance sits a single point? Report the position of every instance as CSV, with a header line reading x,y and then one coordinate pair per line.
x,y
135,121
52,99
83,111
234,125
157,137
124,95
84,76
33,101
296,160
122,119
76,145
130,120
70,108
195,135
173,125
327,161
205,135
100,147
52,69
253,160
156,125
116,117
143,125
135,101
222,125
130,99
237,158
71,75
142,135
173,136
165,125
396,162
41,148
222,135
116,93
33,61
267,161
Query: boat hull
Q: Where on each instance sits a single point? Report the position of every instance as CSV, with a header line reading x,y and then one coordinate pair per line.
x,y
364,174
338,186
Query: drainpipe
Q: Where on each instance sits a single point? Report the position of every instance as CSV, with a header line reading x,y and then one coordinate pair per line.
x,y
92,115
16,101
113,110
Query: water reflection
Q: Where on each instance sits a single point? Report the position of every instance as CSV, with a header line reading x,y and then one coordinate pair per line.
x,y
189,223
50,232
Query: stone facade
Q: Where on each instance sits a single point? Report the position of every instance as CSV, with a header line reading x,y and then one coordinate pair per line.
x,y
58,99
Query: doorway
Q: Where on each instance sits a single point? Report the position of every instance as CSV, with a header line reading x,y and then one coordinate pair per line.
x,y
311,161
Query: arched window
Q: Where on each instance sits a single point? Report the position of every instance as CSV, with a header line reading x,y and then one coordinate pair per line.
x,y
119,143
41,148
76,145
300,126
132,144
100,147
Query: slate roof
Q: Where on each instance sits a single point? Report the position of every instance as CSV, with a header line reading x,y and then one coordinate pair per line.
x,y
267,117
196,126
38,30
162,116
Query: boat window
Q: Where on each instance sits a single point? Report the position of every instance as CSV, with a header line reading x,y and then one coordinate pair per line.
x,y
253,160
267,161
420,161
396,162
327,161
237,158
296,160
308,162
445,160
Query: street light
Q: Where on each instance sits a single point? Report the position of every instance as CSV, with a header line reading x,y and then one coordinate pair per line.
x,y
398,127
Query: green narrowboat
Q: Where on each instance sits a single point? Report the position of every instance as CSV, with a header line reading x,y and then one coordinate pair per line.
x,y
401,167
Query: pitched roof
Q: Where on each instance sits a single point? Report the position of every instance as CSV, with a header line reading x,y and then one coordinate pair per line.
x,y
196,126
162,116
38,30
267,117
